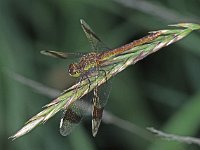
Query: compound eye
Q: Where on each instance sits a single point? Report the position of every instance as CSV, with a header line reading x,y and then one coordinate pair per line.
x,y
76,73
73,70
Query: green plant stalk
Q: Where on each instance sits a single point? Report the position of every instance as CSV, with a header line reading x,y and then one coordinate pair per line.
x,y
112,67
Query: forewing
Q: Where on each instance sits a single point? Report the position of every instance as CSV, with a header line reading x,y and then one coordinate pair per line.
x,y
62,55
94,40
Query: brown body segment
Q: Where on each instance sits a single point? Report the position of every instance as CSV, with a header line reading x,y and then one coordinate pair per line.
x,y
107,54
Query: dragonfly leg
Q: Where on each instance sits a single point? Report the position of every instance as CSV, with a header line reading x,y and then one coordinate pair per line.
x,y
105,74
79,81
88,82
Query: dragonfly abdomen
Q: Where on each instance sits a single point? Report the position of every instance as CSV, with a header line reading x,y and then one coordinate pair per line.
x,y
108,54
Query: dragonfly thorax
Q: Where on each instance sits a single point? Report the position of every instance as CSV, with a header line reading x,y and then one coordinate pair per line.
x,y
85,65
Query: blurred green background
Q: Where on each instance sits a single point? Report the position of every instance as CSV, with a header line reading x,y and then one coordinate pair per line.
x,y
162,91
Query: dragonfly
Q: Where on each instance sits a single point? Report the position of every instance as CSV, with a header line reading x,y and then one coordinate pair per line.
x,y
88,64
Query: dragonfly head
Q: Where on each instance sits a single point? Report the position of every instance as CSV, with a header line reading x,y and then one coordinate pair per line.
x,y
74,70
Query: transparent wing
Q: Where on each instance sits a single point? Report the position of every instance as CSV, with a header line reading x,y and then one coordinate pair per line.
x,y
62,55
94,40
72,116
101,95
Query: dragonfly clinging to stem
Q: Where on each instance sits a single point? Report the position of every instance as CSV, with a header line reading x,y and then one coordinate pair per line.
x,y
89,63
